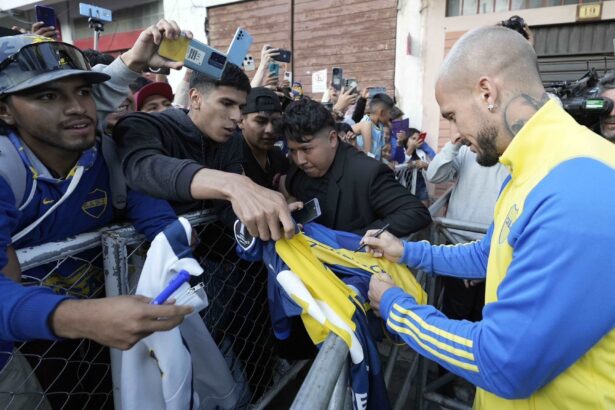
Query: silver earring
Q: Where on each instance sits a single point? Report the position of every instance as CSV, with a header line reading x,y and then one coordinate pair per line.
x,y
491,107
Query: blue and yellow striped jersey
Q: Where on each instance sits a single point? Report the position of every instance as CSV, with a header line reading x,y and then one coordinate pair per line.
x,y
547,338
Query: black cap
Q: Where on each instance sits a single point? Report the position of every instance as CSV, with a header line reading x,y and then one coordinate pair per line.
x,y
262,99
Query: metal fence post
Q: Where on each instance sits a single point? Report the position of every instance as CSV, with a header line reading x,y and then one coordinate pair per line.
x,y
338,396
316,390
115,263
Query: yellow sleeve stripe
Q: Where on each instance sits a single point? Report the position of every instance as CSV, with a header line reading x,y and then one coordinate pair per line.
x,y
455,362
443,346
454,338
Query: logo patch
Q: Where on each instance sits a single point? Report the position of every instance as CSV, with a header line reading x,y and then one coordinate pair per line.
x,y
242,236
96,203
511,217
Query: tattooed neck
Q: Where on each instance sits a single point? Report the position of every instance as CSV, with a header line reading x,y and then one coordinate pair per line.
x,y
520,109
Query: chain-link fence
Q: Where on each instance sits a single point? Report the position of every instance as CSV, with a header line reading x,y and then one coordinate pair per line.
x,y
66,374
82,374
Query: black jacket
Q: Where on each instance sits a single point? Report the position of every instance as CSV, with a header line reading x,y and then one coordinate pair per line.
x,y
161,152
361,193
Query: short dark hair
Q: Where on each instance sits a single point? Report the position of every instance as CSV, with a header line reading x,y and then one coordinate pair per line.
x,y
342,127
412,131
396,112
96,57
139,83
232,76
381,99
304,117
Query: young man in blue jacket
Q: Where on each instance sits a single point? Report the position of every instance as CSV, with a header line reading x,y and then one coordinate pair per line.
x,y
48,120
547,337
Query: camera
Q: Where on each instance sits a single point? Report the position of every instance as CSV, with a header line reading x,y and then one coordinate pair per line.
x,y
580,98
517,24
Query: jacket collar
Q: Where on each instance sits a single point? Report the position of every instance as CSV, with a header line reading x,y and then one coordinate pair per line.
x,y
544,133
40,171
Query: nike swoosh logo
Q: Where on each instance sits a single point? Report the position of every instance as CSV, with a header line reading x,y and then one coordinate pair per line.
x,y
48,201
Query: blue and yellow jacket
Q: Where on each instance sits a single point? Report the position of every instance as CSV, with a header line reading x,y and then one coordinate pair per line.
x,y
547,338
25,311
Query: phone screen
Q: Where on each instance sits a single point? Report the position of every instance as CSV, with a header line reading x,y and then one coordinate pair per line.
x,y
274,69
309,212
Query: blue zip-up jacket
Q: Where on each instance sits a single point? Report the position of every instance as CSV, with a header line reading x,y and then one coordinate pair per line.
x,y
25,311
547,338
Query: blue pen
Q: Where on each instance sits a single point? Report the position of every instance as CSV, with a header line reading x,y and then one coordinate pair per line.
x,y
181,278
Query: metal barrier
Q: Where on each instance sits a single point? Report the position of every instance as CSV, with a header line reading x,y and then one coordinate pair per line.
x,y
83,374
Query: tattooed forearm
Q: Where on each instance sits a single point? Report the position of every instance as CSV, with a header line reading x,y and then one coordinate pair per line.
x,y
520,109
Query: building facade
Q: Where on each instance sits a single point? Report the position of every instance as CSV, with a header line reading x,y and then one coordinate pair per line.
x,y
396,44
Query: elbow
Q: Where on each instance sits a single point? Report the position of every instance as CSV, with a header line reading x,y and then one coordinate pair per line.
x,y
520,382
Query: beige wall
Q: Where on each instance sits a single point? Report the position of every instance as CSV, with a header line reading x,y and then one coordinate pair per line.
x,y
441,32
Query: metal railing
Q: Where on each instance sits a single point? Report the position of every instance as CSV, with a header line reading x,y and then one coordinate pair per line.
x,y
83,374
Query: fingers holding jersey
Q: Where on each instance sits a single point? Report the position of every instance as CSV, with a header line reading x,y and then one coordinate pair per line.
x,y
264,212
378,284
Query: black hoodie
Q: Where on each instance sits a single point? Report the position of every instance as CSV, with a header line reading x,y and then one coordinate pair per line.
x,y
161,152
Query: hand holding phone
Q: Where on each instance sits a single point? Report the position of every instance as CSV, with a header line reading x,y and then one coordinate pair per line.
x,y
283,56
47,15
422,137
309,212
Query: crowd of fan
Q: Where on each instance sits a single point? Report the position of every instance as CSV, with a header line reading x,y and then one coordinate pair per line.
x,y
195,147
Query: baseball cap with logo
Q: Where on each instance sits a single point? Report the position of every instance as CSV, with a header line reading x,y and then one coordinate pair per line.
x,y
29,60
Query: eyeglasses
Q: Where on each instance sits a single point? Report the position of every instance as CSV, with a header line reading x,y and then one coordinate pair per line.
x,y
47,56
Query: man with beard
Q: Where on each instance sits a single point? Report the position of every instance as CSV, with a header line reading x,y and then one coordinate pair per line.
x,y
263,162
547,337
607,90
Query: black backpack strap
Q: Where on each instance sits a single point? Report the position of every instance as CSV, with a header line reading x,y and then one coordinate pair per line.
x,y
117,181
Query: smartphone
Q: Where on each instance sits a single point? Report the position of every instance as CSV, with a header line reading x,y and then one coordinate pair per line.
x,y
205,59
352,85
284,56
248,63
309,212
422,136
239,47
288,76
47,15
175,50
337,78
274,69
376,90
